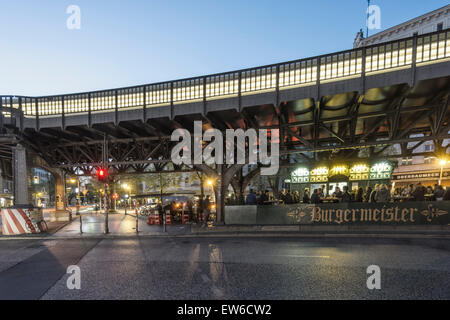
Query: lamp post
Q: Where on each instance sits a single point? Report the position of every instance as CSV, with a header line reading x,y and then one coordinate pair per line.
x,y
128,188
442,163
77,190
210,183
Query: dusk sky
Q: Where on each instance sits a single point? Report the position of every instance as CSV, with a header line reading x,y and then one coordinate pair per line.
x,y
124,43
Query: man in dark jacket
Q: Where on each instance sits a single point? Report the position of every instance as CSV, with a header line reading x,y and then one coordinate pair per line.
x,y
447,194
419,193
315,197
289,199
264,197
306,198
345,196
251,198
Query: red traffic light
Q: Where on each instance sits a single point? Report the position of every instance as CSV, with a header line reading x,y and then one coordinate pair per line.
x,y
101,174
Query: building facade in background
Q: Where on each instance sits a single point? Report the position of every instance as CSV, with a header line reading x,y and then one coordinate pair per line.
x,y
436,20
424,168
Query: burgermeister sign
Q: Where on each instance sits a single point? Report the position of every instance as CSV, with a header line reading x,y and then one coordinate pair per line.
x,y
338,214
367,213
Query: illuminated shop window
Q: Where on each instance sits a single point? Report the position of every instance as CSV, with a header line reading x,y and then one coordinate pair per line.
x,y
359,172
319,174
339,170
300,175
380,170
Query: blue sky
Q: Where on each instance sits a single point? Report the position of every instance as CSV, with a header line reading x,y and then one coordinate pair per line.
x,y
123,43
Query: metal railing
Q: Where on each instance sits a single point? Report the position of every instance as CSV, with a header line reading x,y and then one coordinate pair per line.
x,y
385,57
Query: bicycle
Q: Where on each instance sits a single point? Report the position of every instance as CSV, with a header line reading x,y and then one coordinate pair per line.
x,y
42,224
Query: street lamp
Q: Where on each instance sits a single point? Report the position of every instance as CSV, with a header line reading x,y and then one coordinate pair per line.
x,y
210,182
128,188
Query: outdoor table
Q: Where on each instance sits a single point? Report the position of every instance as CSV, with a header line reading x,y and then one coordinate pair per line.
x,y
402,198
330,200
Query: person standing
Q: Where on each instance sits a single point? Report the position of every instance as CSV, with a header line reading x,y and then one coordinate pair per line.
x,y
264,197
382,195
359,195
289,199
306,198
315,197
439,193
366,197
419,193
206,209
296,197
251,198
447,194
345,196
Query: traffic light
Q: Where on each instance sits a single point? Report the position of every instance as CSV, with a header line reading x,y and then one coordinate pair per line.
x,y
101,174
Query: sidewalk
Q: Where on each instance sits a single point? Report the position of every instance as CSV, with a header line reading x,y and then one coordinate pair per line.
x,y
121,225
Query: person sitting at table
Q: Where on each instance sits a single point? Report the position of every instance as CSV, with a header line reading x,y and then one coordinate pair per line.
x,y
337,193
330,191
419,193
320,193
408,191
306,198
315,197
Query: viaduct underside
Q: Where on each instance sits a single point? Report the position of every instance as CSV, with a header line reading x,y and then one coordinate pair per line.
x,y
339,106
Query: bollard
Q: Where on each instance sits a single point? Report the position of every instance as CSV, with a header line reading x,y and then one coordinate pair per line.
x,y
137,224
164,221
81,225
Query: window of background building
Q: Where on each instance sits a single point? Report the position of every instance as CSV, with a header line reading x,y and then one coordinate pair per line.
x,y
428,159
429,147
406,161
440,26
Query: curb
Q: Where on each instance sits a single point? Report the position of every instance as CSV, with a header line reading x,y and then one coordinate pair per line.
x,y
239,235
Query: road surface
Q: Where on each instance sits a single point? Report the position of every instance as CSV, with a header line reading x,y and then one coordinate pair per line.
x,y
225,268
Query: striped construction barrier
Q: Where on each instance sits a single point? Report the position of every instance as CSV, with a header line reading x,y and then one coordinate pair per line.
x,y
153,218
21,221
185,218
168,217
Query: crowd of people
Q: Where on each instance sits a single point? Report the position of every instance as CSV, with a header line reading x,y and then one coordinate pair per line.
x,y
379,193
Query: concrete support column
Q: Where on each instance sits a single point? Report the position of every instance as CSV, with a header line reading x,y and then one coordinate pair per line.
x,y
61,213
219,194
20,175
